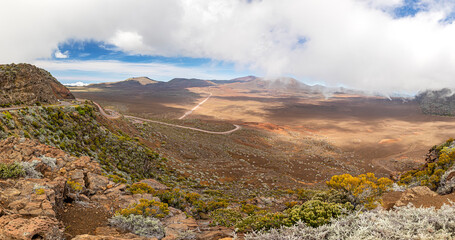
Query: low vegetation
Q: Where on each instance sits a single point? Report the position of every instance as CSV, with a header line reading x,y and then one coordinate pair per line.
x,y
76,129
12,170
140,225
146,208
403,223
364,190
430,174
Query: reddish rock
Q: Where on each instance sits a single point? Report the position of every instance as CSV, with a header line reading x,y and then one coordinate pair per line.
x,y
16,227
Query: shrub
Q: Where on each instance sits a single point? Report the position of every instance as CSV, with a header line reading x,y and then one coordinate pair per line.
x,y
316,213
363,190
39,191
263,220
140,225
174,197
141,188
225,217
8,115
11,170
146,208
75,186
431,173
249,208
402,223
117,179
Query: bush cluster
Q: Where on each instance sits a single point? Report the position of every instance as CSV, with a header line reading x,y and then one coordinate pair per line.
x,y
141,188
77,131
138,224
146,208
314,213
364,190
11,170
190,202
74,186
430,174
402,223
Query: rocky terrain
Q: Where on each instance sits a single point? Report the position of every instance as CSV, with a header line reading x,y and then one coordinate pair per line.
x,y
65,197
27,84
67,171
437,102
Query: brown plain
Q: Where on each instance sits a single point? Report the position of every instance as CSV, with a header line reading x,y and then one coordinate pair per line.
x,y
310,136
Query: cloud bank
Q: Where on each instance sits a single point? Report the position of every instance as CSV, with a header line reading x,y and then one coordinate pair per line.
x,y
354,43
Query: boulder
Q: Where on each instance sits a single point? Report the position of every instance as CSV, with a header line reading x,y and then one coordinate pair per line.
x,y
447,183
414,193
16,227
96,183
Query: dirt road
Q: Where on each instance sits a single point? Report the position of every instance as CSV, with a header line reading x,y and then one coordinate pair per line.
x,y
237,127
114,115
191,111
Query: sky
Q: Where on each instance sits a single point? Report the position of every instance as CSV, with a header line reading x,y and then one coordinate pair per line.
x,y
388,46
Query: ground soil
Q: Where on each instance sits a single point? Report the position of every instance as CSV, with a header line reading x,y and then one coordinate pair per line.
x,y
81,218
420,201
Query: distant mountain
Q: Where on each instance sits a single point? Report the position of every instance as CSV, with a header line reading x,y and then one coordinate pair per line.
x,y
128,83
251,83
28,84
144,83
186,83
437,102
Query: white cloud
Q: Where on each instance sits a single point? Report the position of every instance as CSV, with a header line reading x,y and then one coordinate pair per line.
x,y
355,43
76,84
59,54
129,42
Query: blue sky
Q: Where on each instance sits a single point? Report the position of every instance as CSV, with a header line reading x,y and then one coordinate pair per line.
x,y
90,51
376,45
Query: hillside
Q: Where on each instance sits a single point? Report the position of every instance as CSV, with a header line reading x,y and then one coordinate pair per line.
x,y
134,82
27,84
437,102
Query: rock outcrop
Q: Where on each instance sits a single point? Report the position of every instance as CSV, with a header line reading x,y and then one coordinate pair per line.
x,y
67,197
27,84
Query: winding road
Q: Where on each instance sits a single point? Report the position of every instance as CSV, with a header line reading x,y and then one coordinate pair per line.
x,y
237,127
114,115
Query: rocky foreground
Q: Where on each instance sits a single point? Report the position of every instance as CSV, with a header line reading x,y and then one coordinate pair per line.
x,y
65,197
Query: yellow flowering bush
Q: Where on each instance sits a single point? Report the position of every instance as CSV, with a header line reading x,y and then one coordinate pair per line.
x,y
363,190
75,186
146,208
141,188
430,174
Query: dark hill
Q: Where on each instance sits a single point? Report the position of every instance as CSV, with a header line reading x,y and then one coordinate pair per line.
x,y
28,84
437,102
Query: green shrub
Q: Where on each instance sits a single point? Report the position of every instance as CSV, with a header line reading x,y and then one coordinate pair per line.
x,y
263,220
146,208
174,197
430,174
225,217
316,213
11,170
74,186
140,225
117,179
249,208
141,188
